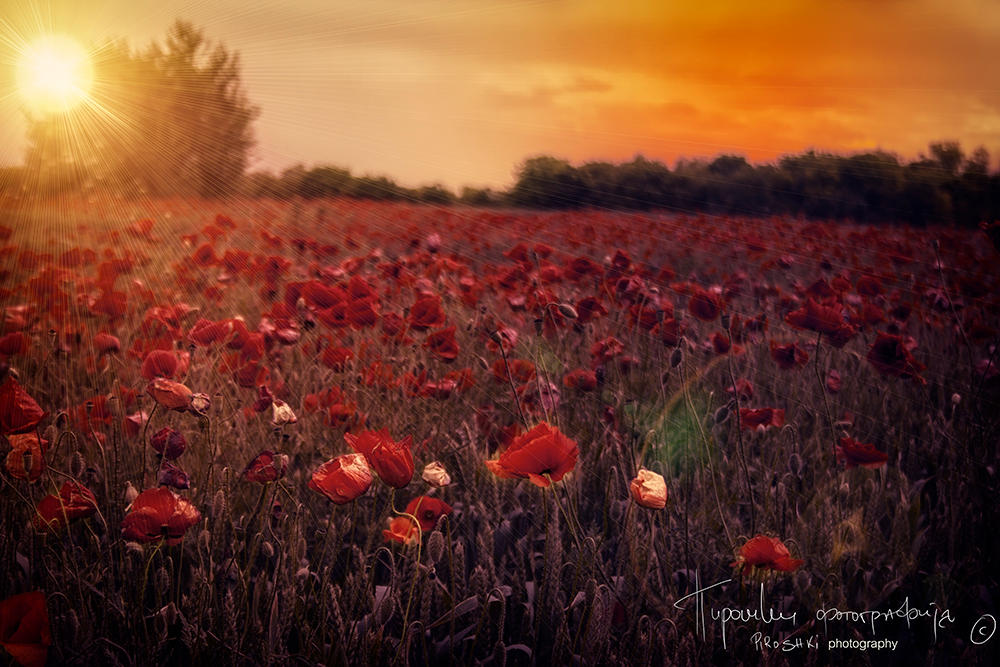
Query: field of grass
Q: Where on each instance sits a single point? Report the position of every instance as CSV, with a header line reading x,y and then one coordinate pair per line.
x,y
632,341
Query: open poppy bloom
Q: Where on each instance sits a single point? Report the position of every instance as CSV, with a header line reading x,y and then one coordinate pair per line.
x,y
426,313
649,489
402,529
266,467
168,443
342,479
788,355
25,632
428,510
890,356
159,513
442,344
26,459
761,417
704,305
19,413
580,379
392,460
863,454
74,501
766,553
544,450
171,395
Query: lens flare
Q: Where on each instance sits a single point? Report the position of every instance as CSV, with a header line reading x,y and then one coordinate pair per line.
x,y
54,74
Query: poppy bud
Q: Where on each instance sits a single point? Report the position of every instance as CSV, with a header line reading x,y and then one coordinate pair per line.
x,y
568,311
675,357
172,475
130,493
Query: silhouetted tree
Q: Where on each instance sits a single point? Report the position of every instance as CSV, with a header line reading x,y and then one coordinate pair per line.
x,y
170,119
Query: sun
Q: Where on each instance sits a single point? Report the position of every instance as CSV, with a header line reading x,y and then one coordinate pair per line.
x,y
54,74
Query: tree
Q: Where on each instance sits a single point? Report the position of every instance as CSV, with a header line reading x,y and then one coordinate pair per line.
x,y
170,119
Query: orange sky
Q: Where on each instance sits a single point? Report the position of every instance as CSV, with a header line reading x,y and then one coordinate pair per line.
x,y
460,91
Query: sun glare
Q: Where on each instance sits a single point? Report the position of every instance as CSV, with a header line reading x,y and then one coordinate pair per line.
x,y
54,74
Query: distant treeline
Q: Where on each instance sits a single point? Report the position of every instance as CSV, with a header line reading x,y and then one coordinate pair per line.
x,y
945,187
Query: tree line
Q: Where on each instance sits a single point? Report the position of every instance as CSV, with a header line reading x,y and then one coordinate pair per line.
x,y
174,119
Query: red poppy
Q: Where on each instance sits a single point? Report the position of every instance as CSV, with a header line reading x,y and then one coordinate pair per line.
x,y
159,513
19,412
168,442
342,479
402,529
605,350
816,317
863,454
172,475
589,308
580,379
171,395
743,387
544,450
428,510
266,467
14,343
26,459
789,355
704,305
105,343
833,381
427,313
766,553
25,632
442,344
761,417
74,501
890,356
205,332
522,370
392,460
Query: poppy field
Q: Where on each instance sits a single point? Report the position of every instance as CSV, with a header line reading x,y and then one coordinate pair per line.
x,y
355,432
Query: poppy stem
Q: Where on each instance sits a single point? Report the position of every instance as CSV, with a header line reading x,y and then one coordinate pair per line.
x,y
513,388
739,437
416,572
826,401
143,444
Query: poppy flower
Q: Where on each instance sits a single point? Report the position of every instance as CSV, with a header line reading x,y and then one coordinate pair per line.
x,y
428,510
342,479
266,467
863,454
442,344
164,363
427,313
606,349
159,513
833,381
392,460
766,553
26,459
704,305
25,632
580,379
171,395
105,343
402,529
890,356
435,474
789,355
19,412
14,343
521,370
74,501
751,418
168,443
544,450
649,489
742,388
172,475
